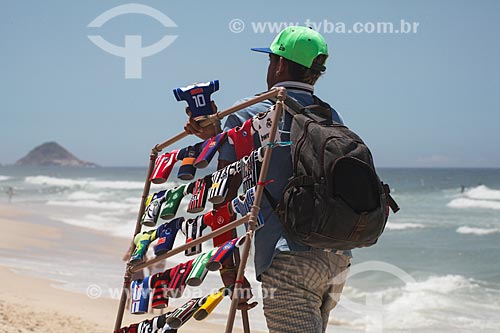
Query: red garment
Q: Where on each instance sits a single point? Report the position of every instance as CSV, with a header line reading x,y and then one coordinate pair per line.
x,y
163,166
178,276
242,139
223,253
219,218
159,283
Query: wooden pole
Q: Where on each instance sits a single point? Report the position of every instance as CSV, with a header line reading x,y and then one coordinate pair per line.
x,y
138,225
192,243
254,212
244,312
218,116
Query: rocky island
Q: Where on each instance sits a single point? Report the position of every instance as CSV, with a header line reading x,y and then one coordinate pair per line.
x,y
52,154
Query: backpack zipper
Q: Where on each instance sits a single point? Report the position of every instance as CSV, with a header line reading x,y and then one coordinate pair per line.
x,y
322,160
330,138
300,142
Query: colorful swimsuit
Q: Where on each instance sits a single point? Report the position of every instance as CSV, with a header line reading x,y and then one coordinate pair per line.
x,y
218,218
166,235
178,276
209,149
199,197
193,228
242,139
163,166
173,199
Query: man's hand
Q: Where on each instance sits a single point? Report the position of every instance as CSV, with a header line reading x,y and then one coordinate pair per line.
x,y
228,275
193,127
126,256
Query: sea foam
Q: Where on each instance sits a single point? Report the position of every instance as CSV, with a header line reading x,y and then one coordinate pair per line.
x,y
437,303
477,231
441,284
477,197
2,178
483,192
403,226
473,203
98,184
108,205
111,224
82,195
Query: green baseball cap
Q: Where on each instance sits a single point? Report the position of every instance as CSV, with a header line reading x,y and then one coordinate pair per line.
x,y
298,44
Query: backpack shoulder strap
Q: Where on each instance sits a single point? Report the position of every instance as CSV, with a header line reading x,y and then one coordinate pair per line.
x,y
319,111
322,109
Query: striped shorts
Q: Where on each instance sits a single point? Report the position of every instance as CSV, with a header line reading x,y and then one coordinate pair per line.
x,y
300,288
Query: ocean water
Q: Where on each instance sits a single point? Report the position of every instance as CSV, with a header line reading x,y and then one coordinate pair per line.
x,y
436,267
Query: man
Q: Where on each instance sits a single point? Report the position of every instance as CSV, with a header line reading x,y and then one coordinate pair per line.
x,y
303,284
10,192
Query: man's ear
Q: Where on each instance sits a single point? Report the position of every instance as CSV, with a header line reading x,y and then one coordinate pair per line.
x,y
282,68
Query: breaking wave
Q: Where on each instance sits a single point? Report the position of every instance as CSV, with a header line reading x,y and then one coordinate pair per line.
x,y
84,183
477,231
403,226
478,197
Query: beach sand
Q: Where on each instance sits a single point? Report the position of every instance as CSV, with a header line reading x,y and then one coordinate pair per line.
x,y
30,303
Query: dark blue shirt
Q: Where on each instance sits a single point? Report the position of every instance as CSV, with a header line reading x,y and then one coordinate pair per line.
x,y
272,238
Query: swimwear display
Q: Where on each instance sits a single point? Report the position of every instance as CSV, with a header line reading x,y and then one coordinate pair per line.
x,y
130,329
178,276
144,326
223,252
168,329
166,235
211,302
188,156
159,284
152,211
262,123
221,179
139,296
199,270
160,288
182,314
198,97
242,139
249,168
173,199
193,228
218,218
142,241
208,150
199,197
150,326
243,204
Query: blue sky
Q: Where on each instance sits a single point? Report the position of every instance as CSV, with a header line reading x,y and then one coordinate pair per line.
x,y
424,99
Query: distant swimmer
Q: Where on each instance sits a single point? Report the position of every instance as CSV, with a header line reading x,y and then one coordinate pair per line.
x,y
10,192
462,189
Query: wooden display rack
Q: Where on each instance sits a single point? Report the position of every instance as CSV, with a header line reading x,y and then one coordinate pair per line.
x,y
277,93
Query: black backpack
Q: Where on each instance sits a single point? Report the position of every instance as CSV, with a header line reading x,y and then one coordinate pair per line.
x,y
335,200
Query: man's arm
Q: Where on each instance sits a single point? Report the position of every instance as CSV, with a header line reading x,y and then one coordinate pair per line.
x,y
229,270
